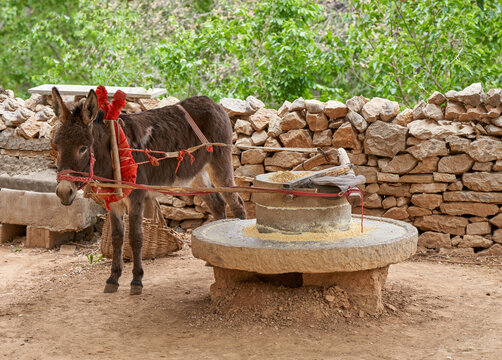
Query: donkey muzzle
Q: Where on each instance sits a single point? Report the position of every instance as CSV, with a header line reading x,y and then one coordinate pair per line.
x,y
66,192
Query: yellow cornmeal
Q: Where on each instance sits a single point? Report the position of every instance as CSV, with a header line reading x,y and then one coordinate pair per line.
x,y
287,176
354,230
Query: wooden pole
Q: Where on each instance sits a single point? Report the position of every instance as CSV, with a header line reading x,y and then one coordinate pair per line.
x,y
195,189
115,156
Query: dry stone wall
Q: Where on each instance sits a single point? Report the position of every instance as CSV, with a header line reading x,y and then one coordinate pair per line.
x,y
438,165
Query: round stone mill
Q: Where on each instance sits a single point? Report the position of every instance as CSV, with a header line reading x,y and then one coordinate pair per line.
x,y
304,241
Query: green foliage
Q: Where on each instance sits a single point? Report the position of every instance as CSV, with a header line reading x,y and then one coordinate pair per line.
x,y
93,260
407,49
275,50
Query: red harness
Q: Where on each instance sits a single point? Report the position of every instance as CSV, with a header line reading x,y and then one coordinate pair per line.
x,y
128,167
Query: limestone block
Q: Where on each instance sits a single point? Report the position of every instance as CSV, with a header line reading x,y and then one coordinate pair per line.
x,y
244,140
286,159
261,118
444,177
293,120
297,105
380,109
345,137
373,201
493,130
436,98
433,111
45,210
371,188
477,113
485,149
442,223
427,201
355,103
317,121
389,202
482,166
430,129
483,181
274,126
243,127
497,220
497,166
429,148
272,142
494,250
469,208
474,241
404,117
44,238
473,196
370,173
418,110
387,177
314,106
434,240
471,95
297,138
322,138
455,164
174,213
458,144
479,228
385,139
428,188
253,156
236,107
415,211
357,121
397,213
426,166
259,137
394,190
254,103
494,97
249,170
284,108
335,109
416,179
400,164
455,186
454,110
497,236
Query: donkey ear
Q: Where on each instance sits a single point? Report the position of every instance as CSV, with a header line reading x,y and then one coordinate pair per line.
x,y
90,108
60,109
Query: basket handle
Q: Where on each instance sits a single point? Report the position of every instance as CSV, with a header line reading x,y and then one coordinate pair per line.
x,y
158,218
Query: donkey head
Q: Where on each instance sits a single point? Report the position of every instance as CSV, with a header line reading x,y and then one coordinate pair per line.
x,y
73,140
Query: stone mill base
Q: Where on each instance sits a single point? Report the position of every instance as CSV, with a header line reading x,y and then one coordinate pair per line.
x,y
364,288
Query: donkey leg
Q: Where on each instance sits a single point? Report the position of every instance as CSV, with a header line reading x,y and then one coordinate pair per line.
x,y
117,221
222,174
136,198
214,201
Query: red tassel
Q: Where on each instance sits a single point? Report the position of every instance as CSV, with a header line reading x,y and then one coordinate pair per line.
x,y
181,155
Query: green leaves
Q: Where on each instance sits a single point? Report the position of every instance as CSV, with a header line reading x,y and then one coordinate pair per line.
x,y
275,50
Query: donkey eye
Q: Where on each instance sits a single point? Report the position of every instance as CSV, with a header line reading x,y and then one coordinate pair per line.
x,y
82,149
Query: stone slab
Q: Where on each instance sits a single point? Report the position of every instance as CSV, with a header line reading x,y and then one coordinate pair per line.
x,y
131,92
37,237
45,210
385,241
39,181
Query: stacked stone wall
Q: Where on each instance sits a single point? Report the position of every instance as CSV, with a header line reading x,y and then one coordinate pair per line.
x,y
438,165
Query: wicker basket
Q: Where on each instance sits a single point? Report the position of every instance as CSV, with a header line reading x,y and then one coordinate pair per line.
x,y
158,239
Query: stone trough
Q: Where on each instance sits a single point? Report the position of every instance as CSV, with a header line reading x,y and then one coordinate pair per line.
x,y
303,241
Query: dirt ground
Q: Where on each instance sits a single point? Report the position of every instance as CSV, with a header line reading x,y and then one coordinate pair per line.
x,y
52,307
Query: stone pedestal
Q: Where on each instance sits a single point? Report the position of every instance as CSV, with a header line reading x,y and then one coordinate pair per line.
x,y
357,263
363,287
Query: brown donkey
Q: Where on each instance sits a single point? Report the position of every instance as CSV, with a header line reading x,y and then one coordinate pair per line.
x,y
163,129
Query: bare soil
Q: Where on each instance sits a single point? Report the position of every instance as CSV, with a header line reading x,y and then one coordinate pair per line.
x,y
52,307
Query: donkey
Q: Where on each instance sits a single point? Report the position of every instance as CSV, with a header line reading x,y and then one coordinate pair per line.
x,y
83,130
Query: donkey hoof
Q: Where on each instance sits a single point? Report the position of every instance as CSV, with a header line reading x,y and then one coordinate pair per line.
x,y
111,288
136,290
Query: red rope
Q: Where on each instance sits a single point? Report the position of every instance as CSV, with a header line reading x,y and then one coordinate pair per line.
x,y
181,155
